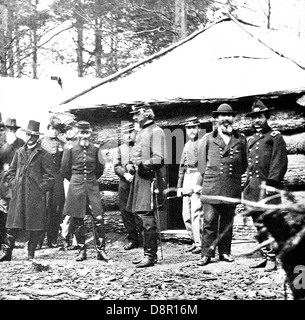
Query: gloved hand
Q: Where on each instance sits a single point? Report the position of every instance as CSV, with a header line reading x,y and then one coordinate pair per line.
x,y
128,176
130,168
197,189
179,192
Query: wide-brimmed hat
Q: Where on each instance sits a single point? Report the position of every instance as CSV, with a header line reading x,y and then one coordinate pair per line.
x,y
70,124
137,107
224,109
258,107
33,128
56,123
83,125
192,122
11,123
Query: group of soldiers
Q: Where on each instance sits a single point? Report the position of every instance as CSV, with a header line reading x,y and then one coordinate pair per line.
x,y
222,163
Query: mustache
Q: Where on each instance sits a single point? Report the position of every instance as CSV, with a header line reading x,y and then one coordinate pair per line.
x,y
226,122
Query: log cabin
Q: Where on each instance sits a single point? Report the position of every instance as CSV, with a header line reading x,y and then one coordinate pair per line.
x,y
228,61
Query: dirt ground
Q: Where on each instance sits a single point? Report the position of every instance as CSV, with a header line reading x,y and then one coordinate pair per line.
x,y
55,275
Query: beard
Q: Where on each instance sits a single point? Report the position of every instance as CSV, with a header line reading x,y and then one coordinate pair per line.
x,y
226,127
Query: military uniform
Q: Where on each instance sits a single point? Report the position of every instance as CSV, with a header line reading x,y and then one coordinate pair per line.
x,y
82,166
149,147
56,197
267,158
129,218
221,166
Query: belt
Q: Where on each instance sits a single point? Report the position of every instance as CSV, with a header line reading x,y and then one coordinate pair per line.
x,y
191,170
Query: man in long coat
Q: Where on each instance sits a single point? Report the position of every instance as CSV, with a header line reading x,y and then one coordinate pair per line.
x,y
120,161
56,197
267,162
222,161
30,176
7,152
82,165
147,161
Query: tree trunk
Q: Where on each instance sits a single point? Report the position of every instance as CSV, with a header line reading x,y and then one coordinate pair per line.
x,y
35,44
98,49
180,19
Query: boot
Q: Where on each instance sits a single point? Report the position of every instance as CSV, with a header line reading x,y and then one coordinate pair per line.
x,y
31,255
262,263
137,261
65,245
82,255
101,255
7,249
6,254
145,262
271,264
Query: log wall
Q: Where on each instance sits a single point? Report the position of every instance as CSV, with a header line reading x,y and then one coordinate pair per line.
x,y
289,120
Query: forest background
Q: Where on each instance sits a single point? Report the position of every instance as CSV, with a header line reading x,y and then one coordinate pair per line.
x,y
96,38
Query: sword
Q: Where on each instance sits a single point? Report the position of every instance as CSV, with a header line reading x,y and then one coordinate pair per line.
x,y
156,192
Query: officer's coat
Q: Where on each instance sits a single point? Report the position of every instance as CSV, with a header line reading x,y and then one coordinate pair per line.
x,y
267,158
149,146
222,165
82,166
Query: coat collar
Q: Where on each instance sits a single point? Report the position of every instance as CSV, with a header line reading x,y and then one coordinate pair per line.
x,y
219,141
147,124
257,136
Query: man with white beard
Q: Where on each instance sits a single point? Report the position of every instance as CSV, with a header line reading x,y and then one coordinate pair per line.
x,y
222,159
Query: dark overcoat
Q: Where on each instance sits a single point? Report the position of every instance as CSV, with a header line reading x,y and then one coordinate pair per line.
x,y
121,159
55,147
82,166
267,158
150,149
29,177
222,165
7,153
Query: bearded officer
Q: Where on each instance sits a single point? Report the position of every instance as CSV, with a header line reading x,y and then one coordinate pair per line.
x,y
222,161
147,162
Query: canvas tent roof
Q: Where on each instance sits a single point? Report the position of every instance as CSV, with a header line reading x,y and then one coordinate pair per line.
x,y
29,99
227,60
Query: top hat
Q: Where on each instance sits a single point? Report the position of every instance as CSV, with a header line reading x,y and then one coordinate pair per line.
x,y
224,109
33,128
192,122
136,108
83,125
11,123
258,107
